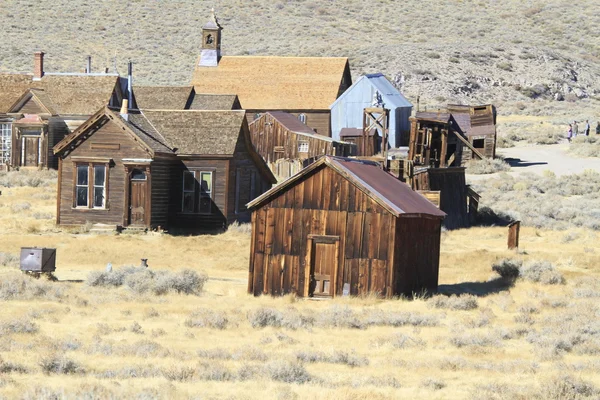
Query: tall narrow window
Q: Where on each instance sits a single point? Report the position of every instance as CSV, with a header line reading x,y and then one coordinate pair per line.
x,y
189,190
197,196
302,118
99,186
82,186
5,143
91,185
205,193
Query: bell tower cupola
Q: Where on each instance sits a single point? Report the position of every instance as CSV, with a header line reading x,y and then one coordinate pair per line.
x,y
210,53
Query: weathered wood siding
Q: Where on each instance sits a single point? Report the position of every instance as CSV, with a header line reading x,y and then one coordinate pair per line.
x,y
246,180
453,197
160,191
31,107
417,255
319,120
57,130
323,203
109,132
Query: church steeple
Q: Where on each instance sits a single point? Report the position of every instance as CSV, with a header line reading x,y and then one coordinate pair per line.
x,y
210,53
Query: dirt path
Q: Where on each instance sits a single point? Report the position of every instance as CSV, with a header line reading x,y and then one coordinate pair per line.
x,y
539,158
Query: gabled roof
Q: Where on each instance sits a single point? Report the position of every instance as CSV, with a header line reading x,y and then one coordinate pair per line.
x,y
275,83
438,116
69,94
198,132
203,101
163,97
391,97
392,194
39,96
12,88
147,139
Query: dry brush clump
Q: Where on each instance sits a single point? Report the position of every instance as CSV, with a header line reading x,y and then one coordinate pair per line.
x,y
17,286
463,302
207,318
8,260
28,178
486,166
144,280
537,271
585,146
61,365
350,359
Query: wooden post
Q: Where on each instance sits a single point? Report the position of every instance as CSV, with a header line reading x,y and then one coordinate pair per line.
x,y
513,235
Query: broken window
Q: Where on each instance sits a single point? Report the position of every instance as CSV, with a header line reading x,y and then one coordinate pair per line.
x,y
197,192
5,143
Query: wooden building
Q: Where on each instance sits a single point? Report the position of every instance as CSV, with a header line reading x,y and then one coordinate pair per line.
x,y
372,90
343,226
302,86
38,110
366,145
182,98
190,169
454,136
287,145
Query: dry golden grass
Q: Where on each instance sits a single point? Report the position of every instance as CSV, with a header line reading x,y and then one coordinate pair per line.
x,y
518,342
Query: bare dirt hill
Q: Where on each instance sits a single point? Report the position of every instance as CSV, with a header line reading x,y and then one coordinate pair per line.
x,y
469,51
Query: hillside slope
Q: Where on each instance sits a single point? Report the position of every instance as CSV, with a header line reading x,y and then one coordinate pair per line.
x,y
456,50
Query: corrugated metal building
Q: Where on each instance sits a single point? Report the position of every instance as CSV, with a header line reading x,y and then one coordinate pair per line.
x,y
368,91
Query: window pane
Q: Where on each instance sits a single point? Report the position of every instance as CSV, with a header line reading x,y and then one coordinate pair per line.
x,y
82,196
99,197
206,182
82,174
188,202
188,181
99,175
138,175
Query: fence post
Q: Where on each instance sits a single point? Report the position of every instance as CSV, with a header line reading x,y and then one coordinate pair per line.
x,y
513,235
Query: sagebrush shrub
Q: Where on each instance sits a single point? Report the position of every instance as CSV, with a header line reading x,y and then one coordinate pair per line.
x,y
508,268
9,260
463,302
55,364
207,318
486,166
541,272
288,372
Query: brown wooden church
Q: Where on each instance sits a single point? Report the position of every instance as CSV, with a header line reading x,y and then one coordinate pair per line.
x,y
343,226
302,86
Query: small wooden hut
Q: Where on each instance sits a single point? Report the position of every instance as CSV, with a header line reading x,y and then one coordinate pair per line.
x,y
366,145
343,226
287,145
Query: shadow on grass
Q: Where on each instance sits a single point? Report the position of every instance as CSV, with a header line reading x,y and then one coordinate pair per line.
x,y
480,289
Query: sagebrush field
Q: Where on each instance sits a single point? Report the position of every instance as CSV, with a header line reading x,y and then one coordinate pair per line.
x,y
527,329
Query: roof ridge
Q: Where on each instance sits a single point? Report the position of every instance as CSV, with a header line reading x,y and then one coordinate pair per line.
x,y
194,111
164,142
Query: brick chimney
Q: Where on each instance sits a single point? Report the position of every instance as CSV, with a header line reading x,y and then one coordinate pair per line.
x,y
38,64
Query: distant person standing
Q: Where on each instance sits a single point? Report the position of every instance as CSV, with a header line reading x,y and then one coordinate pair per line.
x,y
598,128
575,129
587,128
569,133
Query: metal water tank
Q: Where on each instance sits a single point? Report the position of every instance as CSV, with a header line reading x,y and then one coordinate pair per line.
x,y
35,259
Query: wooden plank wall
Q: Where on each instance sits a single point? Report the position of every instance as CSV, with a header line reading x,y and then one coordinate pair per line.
x,y
324,203
453,193
128,148
161,192
417,260
316,120
57,130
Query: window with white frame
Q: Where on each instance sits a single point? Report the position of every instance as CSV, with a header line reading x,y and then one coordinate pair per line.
x,y
302,147
197,193
5,143
90,186
302,118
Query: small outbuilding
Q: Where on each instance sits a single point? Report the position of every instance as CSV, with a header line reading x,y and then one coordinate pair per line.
x,y
287,145
343,227
372,90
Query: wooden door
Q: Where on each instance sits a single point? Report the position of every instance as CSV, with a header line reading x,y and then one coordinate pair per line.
x,y
31,151
138,186
324,252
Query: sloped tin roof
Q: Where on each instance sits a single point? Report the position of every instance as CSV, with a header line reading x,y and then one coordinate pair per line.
x,y
394,195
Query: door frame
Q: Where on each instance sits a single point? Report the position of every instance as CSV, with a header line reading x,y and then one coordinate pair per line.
x,y
311,240
127,200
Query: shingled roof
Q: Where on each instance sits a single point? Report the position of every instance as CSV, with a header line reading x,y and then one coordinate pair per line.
x,y
198,132
396,196
204,101
77,94
163,97
12,87
275,83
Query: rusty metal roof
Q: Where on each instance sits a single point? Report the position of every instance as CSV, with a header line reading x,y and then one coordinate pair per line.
x,y
396,196
433,116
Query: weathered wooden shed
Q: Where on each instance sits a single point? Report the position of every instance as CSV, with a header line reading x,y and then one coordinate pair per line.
x,y
453,136
343,226
372,90
366,145
286,144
